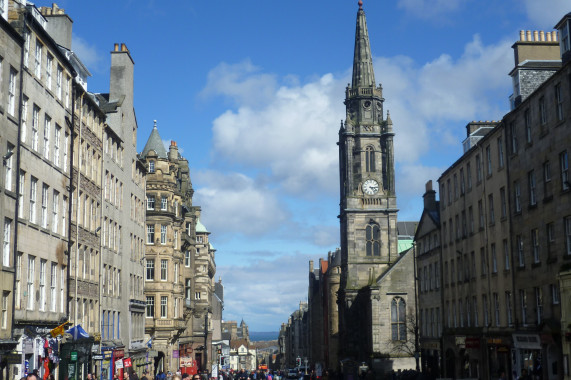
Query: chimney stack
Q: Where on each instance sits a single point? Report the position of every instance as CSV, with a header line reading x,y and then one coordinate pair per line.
x,y
429,197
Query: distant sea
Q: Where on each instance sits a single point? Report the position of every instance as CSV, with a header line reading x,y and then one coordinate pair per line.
x,y
256,336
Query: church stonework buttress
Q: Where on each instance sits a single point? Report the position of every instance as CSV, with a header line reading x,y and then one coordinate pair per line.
x,y
368,211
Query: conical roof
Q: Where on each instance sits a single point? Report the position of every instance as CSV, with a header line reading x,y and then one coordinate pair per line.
x,y
200,227
155,143
363,74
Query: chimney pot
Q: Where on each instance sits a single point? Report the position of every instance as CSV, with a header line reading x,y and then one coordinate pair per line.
x,y
116,48
528,35
554,36
124,47
535,35
542,35
522,35
548,36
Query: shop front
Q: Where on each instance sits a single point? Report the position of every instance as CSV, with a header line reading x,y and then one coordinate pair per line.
x,y
498,349
75,359
526,353
430,356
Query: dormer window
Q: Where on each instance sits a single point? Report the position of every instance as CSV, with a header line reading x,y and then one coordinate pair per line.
x,y
151,166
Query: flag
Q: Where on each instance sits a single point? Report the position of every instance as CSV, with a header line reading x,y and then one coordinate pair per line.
x,y
77,332
58,330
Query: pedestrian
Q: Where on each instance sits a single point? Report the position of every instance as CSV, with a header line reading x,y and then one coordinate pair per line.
x,y
176,376
145,375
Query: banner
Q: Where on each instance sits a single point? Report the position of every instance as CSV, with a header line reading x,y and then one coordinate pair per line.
x,y
127,363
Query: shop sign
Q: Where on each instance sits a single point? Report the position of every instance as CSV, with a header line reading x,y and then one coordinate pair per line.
x,y
119,364
460,341
97,357
107,354
472,342
527,341
494,340
175,354
73,356
127,363
13,358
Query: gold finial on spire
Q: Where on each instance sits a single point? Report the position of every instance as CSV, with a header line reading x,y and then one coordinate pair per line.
x,y
360,4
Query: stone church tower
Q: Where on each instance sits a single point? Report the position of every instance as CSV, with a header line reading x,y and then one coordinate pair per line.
x,y
368,213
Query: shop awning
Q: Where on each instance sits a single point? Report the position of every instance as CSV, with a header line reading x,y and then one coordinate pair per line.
x,y
527,341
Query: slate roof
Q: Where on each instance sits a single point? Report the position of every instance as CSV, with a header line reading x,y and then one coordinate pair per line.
x,y
155,143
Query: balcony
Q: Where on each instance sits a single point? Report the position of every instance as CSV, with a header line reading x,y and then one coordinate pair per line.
x,y
166,324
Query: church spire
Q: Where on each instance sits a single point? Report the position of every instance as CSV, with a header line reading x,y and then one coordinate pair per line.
x,y
363,74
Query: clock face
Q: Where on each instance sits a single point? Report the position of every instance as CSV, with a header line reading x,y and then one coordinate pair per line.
x,y
370,187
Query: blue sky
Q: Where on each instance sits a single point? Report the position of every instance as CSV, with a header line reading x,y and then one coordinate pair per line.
x,y
252,92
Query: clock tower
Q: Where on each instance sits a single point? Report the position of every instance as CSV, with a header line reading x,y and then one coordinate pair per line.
x,y
368,211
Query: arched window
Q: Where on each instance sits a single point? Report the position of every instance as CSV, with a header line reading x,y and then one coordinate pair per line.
x,y
373,237
398,319
370,159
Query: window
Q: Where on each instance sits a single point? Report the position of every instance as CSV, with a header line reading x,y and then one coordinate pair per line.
x,y
150,307
494,258
164,305
373,235
33,194
38,59
538,305
8,163
150,270
175,238
44,221
151,202
486,310
150,234
527,123
564,168
49,66
513,133
30,279
42,306
481,214
531,184
4,316
18,281
163,234
6,242
491,207
475,308
187,259
535,244
65,151
469,176
27,35
483,261
500,153
462,182
455,186
62,289
449,192
506,255
197,295
471,218
67,88
519,248
503,203
558,102
478,168
35,127
64,216
163,203
546,179
12,92
542,111
55,210
187,288
370,159
151,166
555,296
489,160
509,308
59,78
24,119
517,197
164,266
175,280
523,303
398,319
496,309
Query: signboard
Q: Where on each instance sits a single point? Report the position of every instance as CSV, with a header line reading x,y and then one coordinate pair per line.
x,y
73,356
127,363
175,355
119,364
97,357
13,358
472,342
107,354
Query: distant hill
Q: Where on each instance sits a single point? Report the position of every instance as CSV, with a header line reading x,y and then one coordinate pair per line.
x,y
256,336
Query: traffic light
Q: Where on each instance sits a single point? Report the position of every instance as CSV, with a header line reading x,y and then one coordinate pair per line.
x,y
219,351
222,360
298,362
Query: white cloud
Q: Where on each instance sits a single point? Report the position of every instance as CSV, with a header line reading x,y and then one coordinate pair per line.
x,y
86,53
427,9
234,203
242,82
251,291
294,135
545,14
